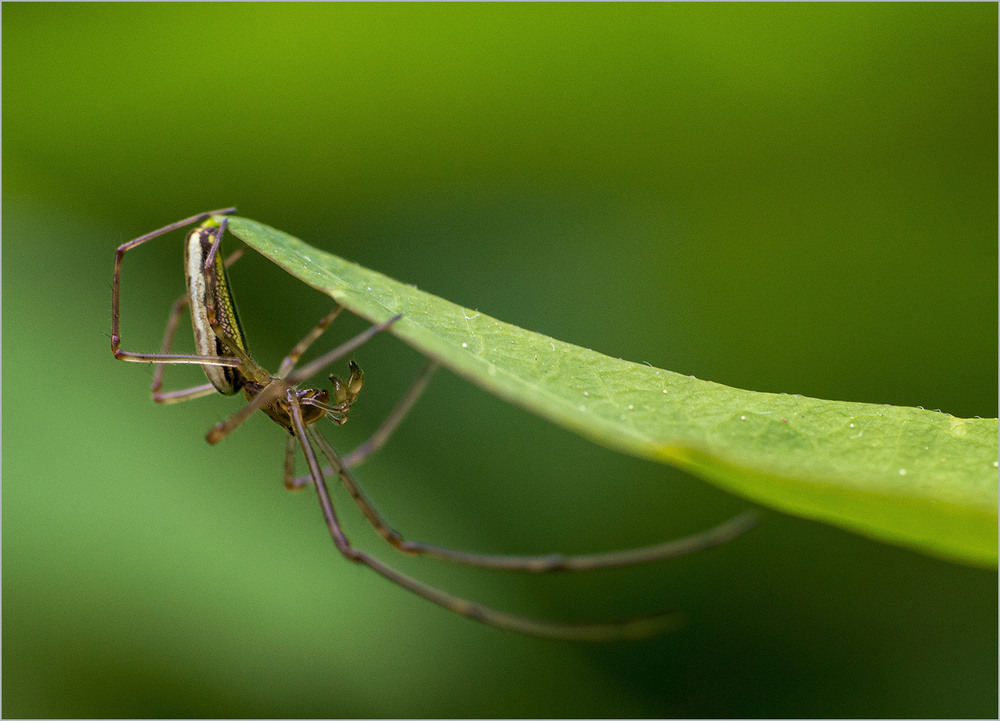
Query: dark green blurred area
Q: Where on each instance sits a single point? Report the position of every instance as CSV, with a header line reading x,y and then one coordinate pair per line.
x,y
793,198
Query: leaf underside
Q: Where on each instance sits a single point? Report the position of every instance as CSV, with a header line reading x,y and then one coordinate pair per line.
x,y
916,478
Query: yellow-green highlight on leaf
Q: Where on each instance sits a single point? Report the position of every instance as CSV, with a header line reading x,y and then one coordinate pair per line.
x,y
916,478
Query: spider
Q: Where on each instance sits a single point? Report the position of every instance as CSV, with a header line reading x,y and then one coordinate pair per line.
x,y
223,355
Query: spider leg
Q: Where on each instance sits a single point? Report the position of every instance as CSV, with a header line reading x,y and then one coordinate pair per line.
x,y
224,428
687,545
289,461
116,338
296,353
315,366
627,628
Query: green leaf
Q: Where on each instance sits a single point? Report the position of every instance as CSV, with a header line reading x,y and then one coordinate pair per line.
x,y
916,478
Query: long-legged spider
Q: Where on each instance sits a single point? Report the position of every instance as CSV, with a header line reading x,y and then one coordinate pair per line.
x,y
222,353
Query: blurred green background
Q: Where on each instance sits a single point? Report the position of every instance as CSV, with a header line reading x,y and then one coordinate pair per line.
x,y
789,198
